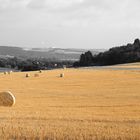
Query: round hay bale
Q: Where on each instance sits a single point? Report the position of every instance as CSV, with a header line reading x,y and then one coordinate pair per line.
x,y
36,75
62,75
7,99
9,72
5,72
40,71
27,75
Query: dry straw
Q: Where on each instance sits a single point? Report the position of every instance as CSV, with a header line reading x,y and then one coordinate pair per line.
x,y
36,75
7,99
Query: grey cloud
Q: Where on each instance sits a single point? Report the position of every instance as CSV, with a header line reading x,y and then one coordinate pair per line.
x,y
37,4
13,4
53,4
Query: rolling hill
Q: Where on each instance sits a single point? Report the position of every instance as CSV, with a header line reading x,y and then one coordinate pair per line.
x,y
50,53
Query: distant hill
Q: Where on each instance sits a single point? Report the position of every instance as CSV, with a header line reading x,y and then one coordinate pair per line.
x,y
117,55
50,53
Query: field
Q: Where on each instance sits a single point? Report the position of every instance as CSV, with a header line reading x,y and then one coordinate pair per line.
x,y
86,104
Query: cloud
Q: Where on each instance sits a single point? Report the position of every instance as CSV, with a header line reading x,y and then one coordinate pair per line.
x,y
73,12
107,12
92,16
52,4
84,13
11,4
37,4
71,23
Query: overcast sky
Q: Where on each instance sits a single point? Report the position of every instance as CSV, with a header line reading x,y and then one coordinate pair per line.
x,y
69,23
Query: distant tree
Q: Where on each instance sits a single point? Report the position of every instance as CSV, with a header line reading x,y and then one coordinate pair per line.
x,y
86,59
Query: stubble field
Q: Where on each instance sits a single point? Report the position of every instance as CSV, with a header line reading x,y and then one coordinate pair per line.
x,y
86,104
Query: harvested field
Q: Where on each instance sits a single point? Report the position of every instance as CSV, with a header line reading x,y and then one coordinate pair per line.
x,y
86,104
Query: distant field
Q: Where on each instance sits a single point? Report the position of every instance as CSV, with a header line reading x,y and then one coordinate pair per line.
x,y
87,104
6,69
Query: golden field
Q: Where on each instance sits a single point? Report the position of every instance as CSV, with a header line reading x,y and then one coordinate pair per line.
x,y
86,104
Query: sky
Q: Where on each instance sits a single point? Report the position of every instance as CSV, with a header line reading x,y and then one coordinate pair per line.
x,y
89,24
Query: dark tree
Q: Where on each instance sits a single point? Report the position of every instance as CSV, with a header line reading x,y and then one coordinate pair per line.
x,y
117,55
86,59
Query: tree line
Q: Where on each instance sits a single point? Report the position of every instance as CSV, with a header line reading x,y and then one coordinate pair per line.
x,y
116,55
33,64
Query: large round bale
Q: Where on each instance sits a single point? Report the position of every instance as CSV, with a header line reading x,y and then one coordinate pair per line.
x,y
36,75
62,75
27,75
7,99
